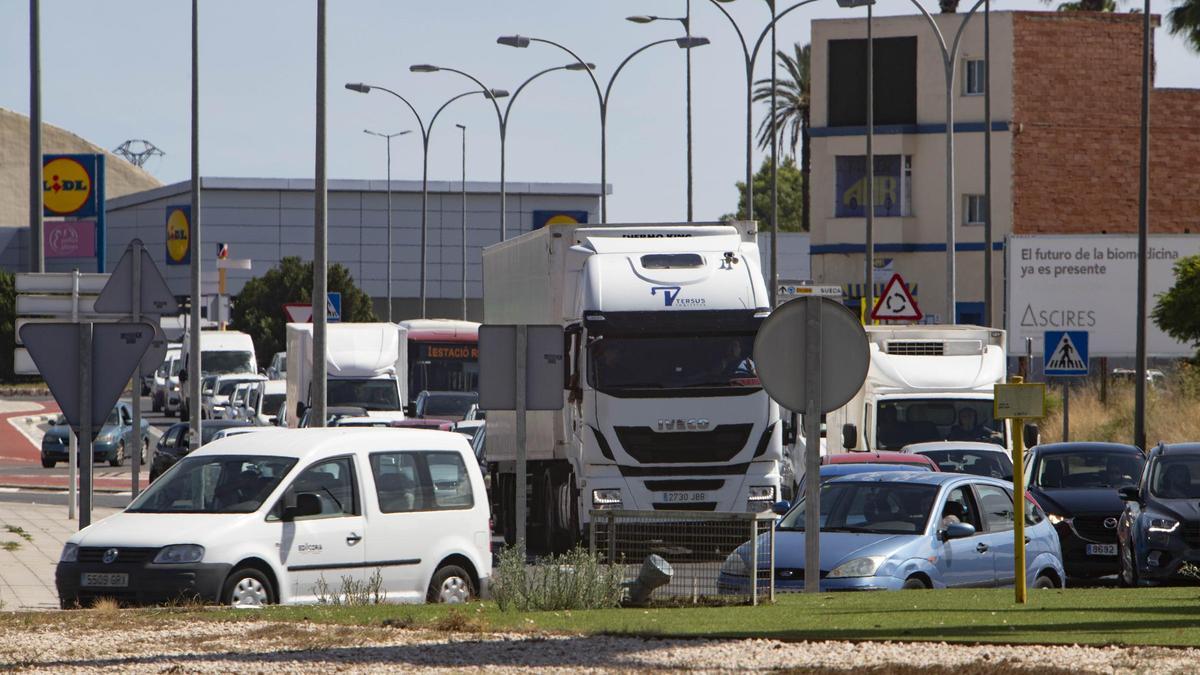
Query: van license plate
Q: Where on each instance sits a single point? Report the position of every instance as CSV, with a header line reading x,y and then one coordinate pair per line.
x,y
105,580
684,497
1101,549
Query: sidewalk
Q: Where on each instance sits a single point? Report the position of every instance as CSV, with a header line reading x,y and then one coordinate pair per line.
x,y
27,573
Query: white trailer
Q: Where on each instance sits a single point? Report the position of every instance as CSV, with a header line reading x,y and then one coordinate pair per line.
x,y
365,367
661,407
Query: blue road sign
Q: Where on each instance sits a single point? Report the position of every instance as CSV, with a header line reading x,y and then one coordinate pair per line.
x,y
1065,353
333,307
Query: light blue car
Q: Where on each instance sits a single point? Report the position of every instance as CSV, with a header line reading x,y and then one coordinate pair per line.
x,y
909,530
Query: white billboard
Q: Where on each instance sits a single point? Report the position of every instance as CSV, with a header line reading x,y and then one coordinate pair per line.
x,y
1089,282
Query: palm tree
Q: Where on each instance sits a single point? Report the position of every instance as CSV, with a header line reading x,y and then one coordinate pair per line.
x,y
1185,20
791,114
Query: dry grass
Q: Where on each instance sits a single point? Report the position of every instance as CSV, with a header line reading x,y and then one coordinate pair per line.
x,y
1172,413
458,621
105,605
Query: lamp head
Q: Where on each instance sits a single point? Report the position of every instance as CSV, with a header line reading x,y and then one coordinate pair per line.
x,y
461,126
359,87
513,41
641,18
496,93
423,68
851,4
689,43
580,66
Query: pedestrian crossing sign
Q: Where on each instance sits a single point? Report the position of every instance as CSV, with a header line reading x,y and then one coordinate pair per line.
x,y
1065,353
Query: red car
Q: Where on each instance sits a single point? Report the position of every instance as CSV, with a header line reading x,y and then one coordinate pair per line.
x,y
880,458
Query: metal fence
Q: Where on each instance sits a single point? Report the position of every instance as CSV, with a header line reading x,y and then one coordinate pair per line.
x,y
710,555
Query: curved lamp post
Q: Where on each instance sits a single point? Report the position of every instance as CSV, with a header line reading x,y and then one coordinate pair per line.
x,y
602,97
426,130
388,138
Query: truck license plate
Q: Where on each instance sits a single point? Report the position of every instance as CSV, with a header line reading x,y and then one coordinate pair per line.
x,y
1101,549
681,497
105,580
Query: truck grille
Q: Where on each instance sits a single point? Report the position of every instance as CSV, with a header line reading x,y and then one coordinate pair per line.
x,y
684,485
718,445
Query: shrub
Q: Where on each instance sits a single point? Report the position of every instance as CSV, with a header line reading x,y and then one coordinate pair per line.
x,y
573,580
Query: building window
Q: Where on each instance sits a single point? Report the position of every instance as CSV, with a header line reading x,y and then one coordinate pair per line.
x,y
973,77
893,186
895,82
973,210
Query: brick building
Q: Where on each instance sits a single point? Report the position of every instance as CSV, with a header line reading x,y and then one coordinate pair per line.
x,y
1065,109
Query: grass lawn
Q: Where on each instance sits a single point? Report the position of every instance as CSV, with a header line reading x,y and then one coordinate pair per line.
x,y
1101,616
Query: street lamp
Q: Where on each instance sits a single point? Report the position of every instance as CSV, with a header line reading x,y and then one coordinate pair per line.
x,y
602,97
686,20
426,130
869,243
464,219
388,138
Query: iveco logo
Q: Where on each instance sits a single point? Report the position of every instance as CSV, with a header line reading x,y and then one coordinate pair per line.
x,y
1110,523
109,556
683,425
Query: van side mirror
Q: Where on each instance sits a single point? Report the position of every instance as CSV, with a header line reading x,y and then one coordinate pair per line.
x,y
1030,435
849,436
957,531
1130,493
410,410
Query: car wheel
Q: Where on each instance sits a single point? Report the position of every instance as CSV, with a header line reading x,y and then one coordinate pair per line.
x,y
118,458
915,584
48,463
1044,581
1128,576
451,585
247,587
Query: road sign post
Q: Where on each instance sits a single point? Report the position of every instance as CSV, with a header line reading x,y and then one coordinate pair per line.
x,y
84,428
1017,402
790,347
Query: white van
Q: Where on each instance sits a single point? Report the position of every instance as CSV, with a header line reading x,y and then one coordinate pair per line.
x,y
221,352
287,516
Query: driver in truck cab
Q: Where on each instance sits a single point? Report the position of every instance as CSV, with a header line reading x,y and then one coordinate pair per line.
x,y
969,428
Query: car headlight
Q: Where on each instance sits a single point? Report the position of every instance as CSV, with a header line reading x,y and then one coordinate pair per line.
x,y
70,553
1165,525
180,553
1055,519
859,567
734,566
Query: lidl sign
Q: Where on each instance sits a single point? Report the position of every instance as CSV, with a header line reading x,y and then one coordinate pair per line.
x,y
179,235
69,185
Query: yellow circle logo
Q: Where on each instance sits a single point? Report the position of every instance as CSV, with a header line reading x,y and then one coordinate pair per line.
x,y
179,235
66,186
562,219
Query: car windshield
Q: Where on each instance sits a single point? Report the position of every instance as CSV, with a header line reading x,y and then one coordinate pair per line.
x,y
676,362
1175,478
975,462
366,394
214,484
901,422
452,405
272,402
873,508
114,418
1088,469
227,362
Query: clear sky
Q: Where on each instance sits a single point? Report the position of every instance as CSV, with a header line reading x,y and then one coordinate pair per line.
x,y
119,69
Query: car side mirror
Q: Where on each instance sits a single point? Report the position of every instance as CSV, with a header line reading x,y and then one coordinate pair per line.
x,y
1030,435
306,504
849,436
781,507
957,531
1130,493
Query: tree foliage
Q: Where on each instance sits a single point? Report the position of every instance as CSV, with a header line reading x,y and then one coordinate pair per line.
x,y
791,191
258,309
793,104
1184,20
1175,312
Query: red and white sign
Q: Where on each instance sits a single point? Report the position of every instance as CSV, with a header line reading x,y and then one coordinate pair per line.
x,y
70,238
298,312
896,303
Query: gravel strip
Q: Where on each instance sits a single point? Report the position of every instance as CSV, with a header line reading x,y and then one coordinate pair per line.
x,y
272,647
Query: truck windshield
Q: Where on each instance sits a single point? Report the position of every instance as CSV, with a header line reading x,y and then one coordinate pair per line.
x,y
920,420
677,362
366,394
214,484
227,362
271,403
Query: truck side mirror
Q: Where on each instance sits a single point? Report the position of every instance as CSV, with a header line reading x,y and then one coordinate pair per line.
x,y
789,430
410,410
183,376
300,408
1030,435
849,436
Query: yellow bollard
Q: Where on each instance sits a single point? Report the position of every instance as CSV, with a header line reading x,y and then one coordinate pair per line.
x,y
1018,460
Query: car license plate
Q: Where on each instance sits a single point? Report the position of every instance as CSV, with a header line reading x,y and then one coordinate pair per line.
x,y
1101,549
683,497
105,580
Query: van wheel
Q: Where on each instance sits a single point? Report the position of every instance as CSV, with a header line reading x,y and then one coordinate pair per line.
x,y
1043,581
915,584
450,585
247,587
119,457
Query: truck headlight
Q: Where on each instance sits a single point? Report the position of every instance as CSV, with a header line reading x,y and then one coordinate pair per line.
x,y
734,566
180,553
859,567
70,553
609,498
760,498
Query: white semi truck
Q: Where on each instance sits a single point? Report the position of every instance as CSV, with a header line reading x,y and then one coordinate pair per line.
x,y
366,367
662,408
924,383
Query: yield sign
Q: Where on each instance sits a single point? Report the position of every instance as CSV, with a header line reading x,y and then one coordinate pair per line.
x,y
298,312
117,295
896,303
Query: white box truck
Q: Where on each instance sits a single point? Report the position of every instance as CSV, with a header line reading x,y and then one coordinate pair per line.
x,y
366,367
662,408
221,352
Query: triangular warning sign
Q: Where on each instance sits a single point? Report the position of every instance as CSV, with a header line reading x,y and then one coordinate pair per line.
x,y
298,312
896,303
1066,356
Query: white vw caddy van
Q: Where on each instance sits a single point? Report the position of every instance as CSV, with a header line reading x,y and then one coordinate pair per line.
x,y
285,517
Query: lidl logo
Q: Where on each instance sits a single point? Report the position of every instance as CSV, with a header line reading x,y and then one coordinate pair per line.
x,y
543,218
179,235
66,187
